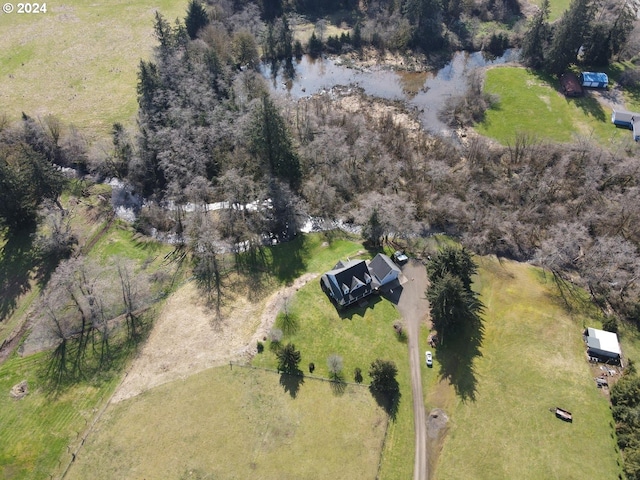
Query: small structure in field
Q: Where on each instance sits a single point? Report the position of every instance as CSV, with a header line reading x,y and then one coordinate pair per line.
x,y
563,414
630,120
594,80
603,345
571,85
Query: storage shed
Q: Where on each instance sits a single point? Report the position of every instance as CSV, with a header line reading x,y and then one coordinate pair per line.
x,y
603,344
570,85
630,120
594,79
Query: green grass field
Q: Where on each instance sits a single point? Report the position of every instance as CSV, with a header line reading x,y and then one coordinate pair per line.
x,y
359,336
37,429
532,358
78,61
532,104
557,8
238,423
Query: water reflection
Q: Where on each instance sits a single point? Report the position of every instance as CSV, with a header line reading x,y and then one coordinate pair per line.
x,y
425,91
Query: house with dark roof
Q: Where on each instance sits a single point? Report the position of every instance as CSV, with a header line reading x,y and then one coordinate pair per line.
x,y
351,281
347,282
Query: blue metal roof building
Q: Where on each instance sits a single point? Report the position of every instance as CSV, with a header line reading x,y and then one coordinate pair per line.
x,y
594,79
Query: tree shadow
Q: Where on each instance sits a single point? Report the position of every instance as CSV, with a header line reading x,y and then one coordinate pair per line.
x,y
456,358
589,106
17,258
288,260
389,402
338,385
291,382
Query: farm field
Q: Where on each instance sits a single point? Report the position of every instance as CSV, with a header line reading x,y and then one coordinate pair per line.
x,y
532,358
533,104
236,423
78,61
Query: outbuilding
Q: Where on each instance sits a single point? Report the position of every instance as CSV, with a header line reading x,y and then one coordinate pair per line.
x,y
630,120
570,85
594,79
603,345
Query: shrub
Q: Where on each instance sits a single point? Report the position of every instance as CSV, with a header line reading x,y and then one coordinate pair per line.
x,y
260,347
312,367
357,375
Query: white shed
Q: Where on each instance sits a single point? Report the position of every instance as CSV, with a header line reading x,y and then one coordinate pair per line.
x,y
603,344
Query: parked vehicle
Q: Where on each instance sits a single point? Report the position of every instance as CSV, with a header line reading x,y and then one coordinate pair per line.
x,y
399,257
429,358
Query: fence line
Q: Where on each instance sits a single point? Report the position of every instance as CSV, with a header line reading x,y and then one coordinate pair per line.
x,y
304,375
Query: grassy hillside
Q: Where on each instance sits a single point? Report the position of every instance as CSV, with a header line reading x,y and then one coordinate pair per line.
x,y
532,359
532,104
78,60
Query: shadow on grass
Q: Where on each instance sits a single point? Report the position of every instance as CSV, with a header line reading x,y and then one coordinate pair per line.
x,y
338,385
291,382
289,260
357,310
388,401
17,258
457,355
589,106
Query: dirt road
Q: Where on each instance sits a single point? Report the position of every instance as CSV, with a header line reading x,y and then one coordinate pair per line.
x,y
414,308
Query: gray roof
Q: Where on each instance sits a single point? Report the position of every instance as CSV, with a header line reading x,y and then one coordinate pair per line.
x,y
381,266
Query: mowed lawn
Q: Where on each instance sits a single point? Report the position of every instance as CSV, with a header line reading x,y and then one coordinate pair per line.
x,y
236,423
78,61
359,336
533,359
533,105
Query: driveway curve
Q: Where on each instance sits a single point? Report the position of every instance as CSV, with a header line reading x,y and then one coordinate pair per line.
x,y
414,308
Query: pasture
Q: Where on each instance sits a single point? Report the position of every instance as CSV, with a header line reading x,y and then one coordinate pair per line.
x,y
532,358
79,60
533,104
236,423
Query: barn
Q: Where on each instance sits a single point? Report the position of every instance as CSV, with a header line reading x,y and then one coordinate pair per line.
x,y
603,345
594,79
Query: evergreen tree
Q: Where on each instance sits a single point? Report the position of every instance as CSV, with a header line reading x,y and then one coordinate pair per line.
x,y
568,35
426,18
196,18
314,47
271,142
536,38
288,359
455,261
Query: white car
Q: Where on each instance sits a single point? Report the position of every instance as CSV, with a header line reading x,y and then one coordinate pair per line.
x,y
429,358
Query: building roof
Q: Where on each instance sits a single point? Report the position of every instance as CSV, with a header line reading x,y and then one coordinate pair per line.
x,y
604,341
598,77
348,281
381,266
571,85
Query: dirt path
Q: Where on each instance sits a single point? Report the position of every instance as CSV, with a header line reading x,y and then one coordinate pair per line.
x,y
414,308
187,339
